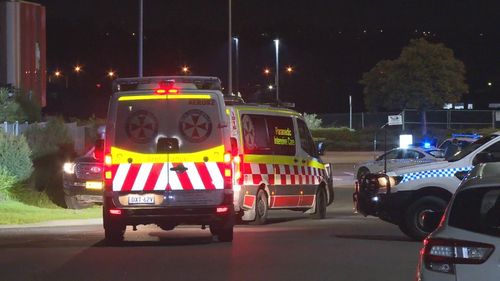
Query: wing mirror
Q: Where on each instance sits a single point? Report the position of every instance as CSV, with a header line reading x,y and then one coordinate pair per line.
x,y
99,150
321,148
482,157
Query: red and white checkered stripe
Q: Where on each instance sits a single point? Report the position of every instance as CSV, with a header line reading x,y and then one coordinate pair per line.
x,y
158,176
279,174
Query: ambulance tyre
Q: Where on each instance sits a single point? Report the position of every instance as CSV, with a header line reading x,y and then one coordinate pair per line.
x,y
114,233
261,208
223,233
320,204
413,218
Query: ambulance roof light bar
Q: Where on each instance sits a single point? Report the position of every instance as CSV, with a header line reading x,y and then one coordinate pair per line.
x,y
201,82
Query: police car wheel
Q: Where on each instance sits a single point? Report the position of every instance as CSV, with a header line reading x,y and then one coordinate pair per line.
x,y
73,203
415,213
261,208
320,204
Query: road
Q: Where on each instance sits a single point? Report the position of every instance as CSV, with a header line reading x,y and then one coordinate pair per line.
x,y
345,246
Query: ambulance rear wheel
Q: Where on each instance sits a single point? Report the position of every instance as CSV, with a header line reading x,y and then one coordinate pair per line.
x,y
320,204
261,208
114,233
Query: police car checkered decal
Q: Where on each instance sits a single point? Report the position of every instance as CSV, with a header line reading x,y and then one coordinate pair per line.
x,y
439,173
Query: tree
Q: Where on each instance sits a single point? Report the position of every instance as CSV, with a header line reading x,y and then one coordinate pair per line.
x,y
10,109
425,76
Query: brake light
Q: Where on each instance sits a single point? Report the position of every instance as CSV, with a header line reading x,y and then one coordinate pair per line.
x,y
116,212
163,91
222,209
441,255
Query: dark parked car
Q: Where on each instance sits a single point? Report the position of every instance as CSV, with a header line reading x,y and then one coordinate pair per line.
x,y
82,181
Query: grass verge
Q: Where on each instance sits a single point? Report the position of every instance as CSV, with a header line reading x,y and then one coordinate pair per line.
x,y
13,212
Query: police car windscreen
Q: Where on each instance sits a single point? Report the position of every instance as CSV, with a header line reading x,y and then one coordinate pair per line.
x,y
189,125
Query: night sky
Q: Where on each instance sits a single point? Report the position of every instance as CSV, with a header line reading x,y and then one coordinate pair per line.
x,y
330,44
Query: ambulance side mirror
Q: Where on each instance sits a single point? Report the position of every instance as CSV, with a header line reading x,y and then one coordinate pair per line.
x,y
321,148
99,150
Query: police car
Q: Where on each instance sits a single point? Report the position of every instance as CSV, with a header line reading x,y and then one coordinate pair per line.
x,y
407,195
400,157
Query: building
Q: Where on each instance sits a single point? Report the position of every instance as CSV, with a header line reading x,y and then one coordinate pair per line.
x,y
23,48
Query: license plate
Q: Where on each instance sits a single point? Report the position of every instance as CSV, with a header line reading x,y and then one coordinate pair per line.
x,y
141,199
93,185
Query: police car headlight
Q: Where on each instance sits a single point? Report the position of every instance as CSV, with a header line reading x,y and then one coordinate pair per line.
x,y
69,168
385,181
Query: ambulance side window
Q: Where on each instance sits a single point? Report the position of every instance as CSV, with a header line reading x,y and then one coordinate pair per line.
x,y
282,134
306,141
255,137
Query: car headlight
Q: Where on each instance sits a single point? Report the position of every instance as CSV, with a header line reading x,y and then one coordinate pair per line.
x,y
385,182
69,168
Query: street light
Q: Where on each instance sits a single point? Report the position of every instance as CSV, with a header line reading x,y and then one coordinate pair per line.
x,y
289,69
267,71
270,87
57,73
490,84
111,74
277,75
78,69
185,69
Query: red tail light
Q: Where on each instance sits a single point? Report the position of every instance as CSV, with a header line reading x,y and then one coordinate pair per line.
x,y
163,91
441,255
222,209
108,173
116,212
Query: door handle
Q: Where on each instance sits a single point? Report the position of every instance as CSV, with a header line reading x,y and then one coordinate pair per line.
x,y
179,169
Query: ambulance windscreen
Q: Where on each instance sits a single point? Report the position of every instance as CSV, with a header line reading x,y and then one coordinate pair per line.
x,y
167,126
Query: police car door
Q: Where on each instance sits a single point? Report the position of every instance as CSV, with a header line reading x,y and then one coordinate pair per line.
x,y
310,166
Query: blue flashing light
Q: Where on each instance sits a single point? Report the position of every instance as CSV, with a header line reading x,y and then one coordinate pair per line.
x,y
427,145
474,136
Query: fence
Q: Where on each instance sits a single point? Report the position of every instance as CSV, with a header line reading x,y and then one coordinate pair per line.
x,y
76,132
442,119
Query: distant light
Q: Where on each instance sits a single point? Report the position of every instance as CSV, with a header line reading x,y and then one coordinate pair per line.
x,y
57,73
78,69
427,145
270,87
185,69
381,30
289,69
98,85
405,140
490,84
267,71
111,73
133,33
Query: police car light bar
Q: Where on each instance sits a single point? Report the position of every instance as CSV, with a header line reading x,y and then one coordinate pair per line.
x,y
474,136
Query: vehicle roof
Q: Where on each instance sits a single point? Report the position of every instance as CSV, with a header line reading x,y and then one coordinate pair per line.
x,y
265,107
208,82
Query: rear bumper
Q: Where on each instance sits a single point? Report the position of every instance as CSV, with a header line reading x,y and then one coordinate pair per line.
x,y
199,215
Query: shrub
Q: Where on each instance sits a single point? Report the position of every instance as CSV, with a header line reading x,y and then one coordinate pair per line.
x,y
10,110
15,156
312,121
48,139
7,181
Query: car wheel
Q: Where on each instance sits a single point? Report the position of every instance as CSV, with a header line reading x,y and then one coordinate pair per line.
x,y
114,233
223,233
320,204
73,203
414,217
362,172
261,208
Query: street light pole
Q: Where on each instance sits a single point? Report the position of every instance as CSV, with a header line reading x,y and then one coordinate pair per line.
x,y
277,75
141,11
229,54
237,41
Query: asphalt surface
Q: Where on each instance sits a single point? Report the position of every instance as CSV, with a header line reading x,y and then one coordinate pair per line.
x,y
345,246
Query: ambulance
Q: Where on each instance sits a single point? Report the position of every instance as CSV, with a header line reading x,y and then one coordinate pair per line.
x,y
177,151
277,163
167,156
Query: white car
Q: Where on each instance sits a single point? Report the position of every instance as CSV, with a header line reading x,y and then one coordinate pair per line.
x,y
400,157
466,246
